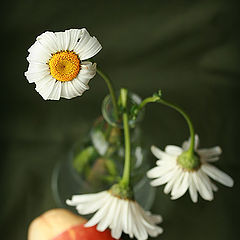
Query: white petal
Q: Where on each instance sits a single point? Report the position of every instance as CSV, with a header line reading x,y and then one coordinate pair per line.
x,y
106,221
62,40
140,231
214,187
130,221
210,154
173,150
37,67
37,75
45,86
217,175
201,187
66,91
79,86
76,199
75,34
56,91
99,215
192,189
169,185
48,40
154,172
158,153
124,219
87,72
168,161
149,219
165,178
116,225
178,179
119,215
155,232
206,183
172,182
182,188
87,46
186,144
38,54
92,206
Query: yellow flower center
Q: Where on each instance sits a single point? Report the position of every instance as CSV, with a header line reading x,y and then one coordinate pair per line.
x,y
64,66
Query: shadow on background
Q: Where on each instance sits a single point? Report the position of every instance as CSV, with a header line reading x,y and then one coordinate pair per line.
x,y
189,49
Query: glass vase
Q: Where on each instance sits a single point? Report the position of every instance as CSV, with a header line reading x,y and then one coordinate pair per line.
x,y
96,163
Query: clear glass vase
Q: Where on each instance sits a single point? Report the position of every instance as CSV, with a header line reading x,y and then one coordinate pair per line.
x,y
96,162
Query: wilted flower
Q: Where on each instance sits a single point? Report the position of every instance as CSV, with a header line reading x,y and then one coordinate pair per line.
x,y
179,176
120,215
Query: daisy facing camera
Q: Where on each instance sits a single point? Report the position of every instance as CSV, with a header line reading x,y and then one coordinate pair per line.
x,y
57,63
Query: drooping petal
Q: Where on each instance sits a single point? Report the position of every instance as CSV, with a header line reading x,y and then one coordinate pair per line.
x,y
158,153
173,150
182,187
171,183
116,226
76,199
165,178
140,232
192,189
120,215
108,218
92,206
210,154
155,172
186,144
217,175
214,187
101,213
202,189
206,182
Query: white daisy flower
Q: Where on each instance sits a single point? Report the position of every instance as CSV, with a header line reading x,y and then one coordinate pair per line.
x,y
179,179
57,66
120,215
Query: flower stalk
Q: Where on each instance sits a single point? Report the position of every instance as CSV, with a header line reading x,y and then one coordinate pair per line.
x,y
126,178
111,91
157,98
190,150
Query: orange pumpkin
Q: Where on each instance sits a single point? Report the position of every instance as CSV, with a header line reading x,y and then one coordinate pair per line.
x,y
61,224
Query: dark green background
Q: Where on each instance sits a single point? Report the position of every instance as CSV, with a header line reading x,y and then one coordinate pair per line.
x,y
189,49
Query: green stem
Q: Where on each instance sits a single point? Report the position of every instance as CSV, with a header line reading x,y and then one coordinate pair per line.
x,y
111,91
190,125
148,100
127,164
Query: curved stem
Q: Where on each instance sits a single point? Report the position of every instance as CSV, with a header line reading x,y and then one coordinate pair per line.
x,y
111,91
187,118
144,103
127,164
148,100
